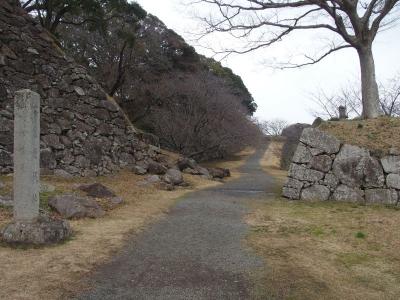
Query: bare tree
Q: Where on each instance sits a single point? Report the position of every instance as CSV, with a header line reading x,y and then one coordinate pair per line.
x,y
356,22
350,97
390,97
273,127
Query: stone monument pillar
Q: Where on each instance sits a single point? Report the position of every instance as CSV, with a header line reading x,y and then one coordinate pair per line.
x,y
26,155
342,112
28,226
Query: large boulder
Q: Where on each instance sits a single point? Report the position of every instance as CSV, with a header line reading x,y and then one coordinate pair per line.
x,y
373,173
393,181
320,140
186,163
156,168
44,231
347,194
391,164
331,181
292,135
321,163
75,207
302,155
139,170
292,189
173,176
97,190
316,192
304,174
355,167
381,196
219,173
294,131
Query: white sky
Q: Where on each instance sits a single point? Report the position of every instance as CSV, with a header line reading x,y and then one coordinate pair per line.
x,y
285,94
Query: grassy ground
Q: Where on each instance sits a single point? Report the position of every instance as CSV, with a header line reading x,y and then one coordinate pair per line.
x,y
376,134
54,272
324,250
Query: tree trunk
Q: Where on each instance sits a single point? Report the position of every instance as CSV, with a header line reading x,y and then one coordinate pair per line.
x,y
369,86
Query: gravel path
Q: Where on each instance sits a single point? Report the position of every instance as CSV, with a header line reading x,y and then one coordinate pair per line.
x,y
196,252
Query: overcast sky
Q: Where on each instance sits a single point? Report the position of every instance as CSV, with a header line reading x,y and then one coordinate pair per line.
x,y
286,94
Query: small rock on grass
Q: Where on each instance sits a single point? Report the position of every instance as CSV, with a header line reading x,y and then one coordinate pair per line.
x,y
173,177
74,207
97,190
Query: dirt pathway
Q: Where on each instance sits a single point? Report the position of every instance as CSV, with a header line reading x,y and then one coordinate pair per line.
x,y
196,252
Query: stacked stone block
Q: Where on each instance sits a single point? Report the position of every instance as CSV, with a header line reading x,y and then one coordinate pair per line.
x,y
324,169
83,132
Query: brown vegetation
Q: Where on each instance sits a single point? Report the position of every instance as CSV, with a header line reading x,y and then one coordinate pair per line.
x,y
198,116
324,250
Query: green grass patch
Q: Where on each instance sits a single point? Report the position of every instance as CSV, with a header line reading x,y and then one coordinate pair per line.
x,y
44,199
360,235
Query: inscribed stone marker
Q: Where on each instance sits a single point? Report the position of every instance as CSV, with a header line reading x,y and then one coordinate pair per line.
x,y
26,155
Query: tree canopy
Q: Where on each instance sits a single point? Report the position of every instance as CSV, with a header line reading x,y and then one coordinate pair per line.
x,y
263,23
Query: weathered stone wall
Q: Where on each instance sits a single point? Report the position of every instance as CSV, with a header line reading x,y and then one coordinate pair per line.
x,y
82,131
324,169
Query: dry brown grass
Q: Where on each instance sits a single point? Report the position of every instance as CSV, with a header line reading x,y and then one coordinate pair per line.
x,y
271,160
325,250
376,134
54,272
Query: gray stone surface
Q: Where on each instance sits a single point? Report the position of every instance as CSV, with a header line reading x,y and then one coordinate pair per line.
x,y
320,140
315,192
156,168
393,181
381,196
97,190
348,194
302,154
331,181
219,173
391,164
348,165
291,193
321,163
292,189
173,176
315,151
203,171
153,179
138,170
75,207
26,155
302,173
44,231
373,173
